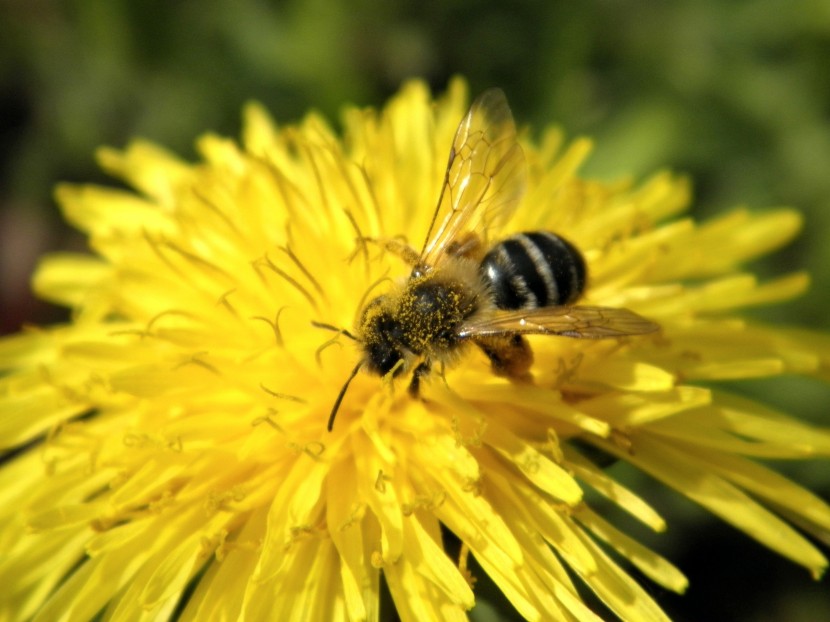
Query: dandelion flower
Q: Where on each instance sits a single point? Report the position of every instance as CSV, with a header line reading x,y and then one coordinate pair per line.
x,y
169,456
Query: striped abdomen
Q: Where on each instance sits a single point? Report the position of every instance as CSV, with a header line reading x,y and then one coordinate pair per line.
x,y
535,269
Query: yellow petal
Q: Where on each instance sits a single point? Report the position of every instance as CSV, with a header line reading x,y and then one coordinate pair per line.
x,y
684,473
652,565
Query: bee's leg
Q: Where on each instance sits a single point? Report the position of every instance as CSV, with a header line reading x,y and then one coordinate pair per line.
x,y
396,246
510,356
442,374
415,384
467,245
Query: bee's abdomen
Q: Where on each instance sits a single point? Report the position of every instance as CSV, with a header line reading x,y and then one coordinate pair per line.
x,y
535,269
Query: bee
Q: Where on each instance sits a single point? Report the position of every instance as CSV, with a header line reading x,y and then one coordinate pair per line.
x,y
461,290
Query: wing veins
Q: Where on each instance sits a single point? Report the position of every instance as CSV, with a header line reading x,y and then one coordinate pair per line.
x,y
576,321
484,177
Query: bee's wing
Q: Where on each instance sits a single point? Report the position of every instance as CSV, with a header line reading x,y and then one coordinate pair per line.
x,y
485,176
580,322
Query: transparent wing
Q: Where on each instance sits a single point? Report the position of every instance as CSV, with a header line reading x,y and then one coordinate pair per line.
x,y
485,176
579,322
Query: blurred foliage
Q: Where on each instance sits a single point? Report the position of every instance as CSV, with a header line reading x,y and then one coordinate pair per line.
x,y
736,94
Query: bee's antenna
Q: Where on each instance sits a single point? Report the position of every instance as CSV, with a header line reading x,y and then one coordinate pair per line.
x,y
339,399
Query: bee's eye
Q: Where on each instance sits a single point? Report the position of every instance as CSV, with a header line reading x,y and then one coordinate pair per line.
x,y
383,358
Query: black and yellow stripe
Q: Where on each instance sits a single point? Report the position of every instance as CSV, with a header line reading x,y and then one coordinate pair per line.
x,y
532,270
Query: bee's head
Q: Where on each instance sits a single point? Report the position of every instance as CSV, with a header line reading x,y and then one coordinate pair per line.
x,y
383,357
380,334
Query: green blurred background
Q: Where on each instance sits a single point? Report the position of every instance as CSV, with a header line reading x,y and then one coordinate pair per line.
x,y
736,94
